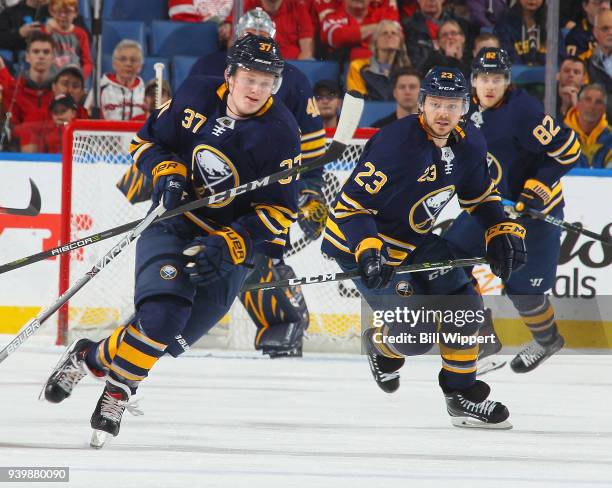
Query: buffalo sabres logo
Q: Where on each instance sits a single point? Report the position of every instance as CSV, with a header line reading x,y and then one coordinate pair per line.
x,y
213,172
404,289
424,213
495,169
168,272
476,117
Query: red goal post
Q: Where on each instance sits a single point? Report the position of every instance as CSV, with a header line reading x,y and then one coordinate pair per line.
x,y
95,156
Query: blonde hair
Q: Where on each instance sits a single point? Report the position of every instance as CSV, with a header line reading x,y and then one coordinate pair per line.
x,y
401,59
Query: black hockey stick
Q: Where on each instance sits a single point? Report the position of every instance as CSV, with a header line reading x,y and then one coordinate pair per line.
x,y
329,277
352,106
576,228
33,208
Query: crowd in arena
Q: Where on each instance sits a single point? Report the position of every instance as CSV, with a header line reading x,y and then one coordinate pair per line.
x,y
382,49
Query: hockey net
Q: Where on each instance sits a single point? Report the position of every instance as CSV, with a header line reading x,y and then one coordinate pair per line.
x,y
95,158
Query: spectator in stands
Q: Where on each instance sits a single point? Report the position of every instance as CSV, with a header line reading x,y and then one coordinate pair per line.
x,y
486,13
570,13
69,81
422,29
329,102
28,96
570,79
46,136
149,98
199,10
71,42
346,31
589,120
294,28
18,22
599,60
486,39
371,77
580,38
406,86
522,32
122,92
450,49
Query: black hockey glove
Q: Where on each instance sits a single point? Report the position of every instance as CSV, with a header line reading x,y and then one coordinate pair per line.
x,y
313,213
216,255
535,195
169,180
505,248
372,268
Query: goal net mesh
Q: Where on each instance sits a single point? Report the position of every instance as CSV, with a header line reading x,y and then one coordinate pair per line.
x,y
99,159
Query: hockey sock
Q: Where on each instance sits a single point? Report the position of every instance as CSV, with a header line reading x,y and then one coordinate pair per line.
x,y
458,366
135,357
540,320
101,355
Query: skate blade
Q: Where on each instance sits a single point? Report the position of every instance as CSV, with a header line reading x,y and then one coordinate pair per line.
x,y
486,366
98,439
470,423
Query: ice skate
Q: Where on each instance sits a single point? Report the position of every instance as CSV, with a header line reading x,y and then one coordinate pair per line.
x,y
535,354
106,418
70,369
470,408
385,370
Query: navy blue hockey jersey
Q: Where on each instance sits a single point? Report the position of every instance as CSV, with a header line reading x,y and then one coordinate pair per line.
x,y
295,92
401,184
525,144
219,153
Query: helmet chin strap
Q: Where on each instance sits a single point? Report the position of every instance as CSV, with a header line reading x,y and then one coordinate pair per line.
x,y
428,130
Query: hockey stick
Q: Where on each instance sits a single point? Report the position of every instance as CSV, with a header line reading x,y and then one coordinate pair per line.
x,y
33,325
349,275
509,208
33,208
352,106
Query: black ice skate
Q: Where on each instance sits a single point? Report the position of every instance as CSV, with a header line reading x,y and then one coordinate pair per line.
x,y
384,369
535,354
470,408
70,369
106,418
492,346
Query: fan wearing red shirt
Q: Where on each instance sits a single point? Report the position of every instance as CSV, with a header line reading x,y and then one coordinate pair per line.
x,y
294,27
352,23
46,136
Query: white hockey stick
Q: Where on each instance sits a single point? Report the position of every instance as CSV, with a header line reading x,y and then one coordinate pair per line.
x,y
33,325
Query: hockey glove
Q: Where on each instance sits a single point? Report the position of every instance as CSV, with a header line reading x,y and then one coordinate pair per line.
x,y
372,268
216,255
505,248
313,213
169,180
535,195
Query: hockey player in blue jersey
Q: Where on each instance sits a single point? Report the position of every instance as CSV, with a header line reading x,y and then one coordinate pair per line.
x,y
281,316
383,217
528,153
212,136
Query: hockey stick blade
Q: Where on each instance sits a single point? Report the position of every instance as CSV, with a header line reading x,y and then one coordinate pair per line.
x,y
352,107
487,365
33,208
509,207
33,325
349,275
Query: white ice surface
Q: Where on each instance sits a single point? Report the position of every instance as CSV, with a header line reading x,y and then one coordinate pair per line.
x,y
319,421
